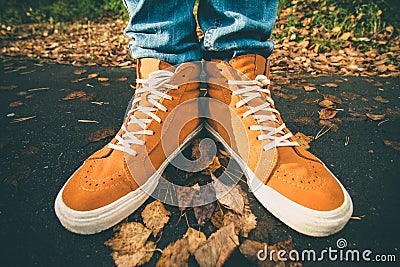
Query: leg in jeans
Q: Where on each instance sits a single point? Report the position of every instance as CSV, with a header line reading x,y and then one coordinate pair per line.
x,y
234,28
165,30
289,181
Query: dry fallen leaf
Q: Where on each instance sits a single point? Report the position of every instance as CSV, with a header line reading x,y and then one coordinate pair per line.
x,y
75,95
92,75
122,79
327,113
130,237
310,101
303,140
204,212
137,258
195,239
243,223
214,165
218,247
375,117
309,88
217,218
7,87
357,115
103,79
155,216
380,99
393,112
350,95
304,120
101,134
175,254
15,104
285,96
228,196
332,85
326,103
392,144
79,72
333,98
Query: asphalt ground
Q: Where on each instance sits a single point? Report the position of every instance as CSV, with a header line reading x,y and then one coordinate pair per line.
x,y
39,154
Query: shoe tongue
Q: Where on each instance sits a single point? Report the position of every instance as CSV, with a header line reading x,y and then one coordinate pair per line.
x,y
249,65
145,67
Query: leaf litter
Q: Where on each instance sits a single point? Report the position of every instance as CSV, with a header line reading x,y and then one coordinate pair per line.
x,y
231,215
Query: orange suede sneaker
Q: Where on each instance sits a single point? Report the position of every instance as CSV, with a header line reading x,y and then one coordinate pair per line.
x,y
289,181
117,179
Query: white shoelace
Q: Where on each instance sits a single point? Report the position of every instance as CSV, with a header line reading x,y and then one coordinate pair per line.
x,y
251,89
154,88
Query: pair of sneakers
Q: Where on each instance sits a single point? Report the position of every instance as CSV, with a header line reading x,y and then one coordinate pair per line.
x,y
290,182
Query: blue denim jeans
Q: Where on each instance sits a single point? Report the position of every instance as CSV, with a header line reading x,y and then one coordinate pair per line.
x,y
166,29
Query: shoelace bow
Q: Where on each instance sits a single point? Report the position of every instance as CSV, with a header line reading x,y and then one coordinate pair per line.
x,y
155,87
251,89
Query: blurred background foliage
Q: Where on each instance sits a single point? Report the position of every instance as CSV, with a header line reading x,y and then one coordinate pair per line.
x,y
328,23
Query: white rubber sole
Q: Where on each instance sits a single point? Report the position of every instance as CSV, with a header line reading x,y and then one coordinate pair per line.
x,y
97,220
302,219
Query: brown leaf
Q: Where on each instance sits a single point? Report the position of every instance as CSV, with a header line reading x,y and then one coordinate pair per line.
x,y
203,213
357,115
130,237
375,117
137,258
350,95
228,196
304,120
310,101
250,248
15,104
217,218
327,113
218,247
92,75
380,99
330,125
303,140
333,98
244,223
122,79
79,72
195,239
285,96
175,254
75,95
101,134
309,88
332,85
392,144
103,79
155,216
8,87
326,104
393,112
